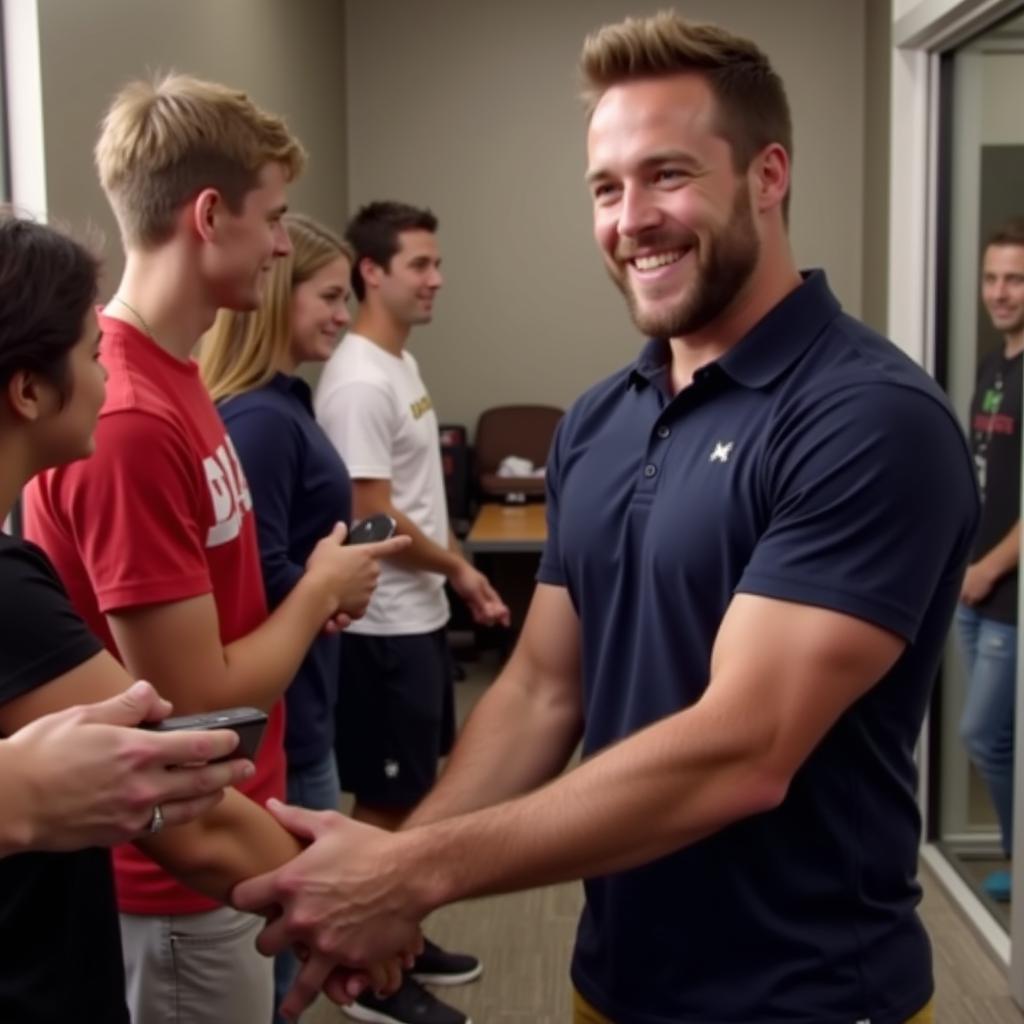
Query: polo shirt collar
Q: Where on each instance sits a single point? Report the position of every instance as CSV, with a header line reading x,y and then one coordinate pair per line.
x,y
295,386
784,334
653,364
775,342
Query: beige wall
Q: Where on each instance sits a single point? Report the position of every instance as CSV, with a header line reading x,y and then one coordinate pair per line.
x,y
470,108
877,90
1002,86
288,55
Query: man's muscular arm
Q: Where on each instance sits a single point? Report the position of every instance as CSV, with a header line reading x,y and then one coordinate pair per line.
x,y
356,891
525,727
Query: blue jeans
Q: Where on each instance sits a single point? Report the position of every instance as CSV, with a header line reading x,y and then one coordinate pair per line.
x,y
314,786
986,726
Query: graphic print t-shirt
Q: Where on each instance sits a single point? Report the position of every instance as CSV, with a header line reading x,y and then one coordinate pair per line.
x,y
995,444
161,512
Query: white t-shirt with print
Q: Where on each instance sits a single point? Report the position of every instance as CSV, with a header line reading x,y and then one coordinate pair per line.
x,y
375,409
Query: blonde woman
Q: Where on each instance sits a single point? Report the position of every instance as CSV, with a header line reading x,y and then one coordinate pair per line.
x,y
299,485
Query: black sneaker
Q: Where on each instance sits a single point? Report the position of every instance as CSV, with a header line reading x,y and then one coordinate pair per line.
x,y
435,966
411,1004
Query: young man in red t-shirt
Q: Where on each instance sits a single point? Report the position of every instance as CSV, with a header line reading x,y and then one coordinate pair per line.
x,y
154,536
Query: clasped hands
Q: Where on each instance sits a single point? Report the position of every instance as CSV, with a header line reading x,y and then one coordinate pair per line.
x,y
345,904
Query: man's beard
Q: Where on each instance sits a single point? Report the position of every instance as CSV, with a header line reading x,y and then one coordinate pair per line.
x,y
722,270
1013,325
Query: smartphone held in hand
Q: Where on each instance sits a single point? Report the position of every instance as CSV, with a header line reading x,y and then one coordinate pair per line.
x,y
248,723
373,528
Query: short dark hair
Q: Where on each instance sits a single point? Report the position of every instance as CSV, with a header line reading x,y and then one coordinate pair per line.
x,y
1010,232
373,234
751,102
48,282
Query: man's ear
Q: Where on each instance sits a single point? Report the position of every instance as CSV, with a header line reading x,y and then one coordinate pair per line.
x,y
770,174
28,395
206,207
371,272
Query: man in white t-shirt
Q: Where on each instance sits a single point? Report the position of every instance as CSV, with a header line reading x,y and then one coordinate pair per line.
x,y
395,708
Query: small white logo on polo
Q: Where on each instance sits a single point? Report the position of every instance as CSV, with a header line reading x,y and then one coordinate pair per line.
x,y
723,449
391,769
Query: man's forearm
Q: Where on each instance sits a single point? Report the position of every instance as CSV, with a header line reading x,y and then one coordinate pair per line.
x,y
234,841
1004,557
654,793
373,497
424,554
518,737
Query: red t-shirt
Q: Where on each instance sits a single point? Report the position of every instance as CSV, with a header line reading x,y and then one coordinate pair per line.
x,y
161,512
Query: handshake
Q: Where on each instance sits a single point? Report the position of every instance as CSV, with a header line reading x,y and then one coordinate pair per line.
x,y
348,905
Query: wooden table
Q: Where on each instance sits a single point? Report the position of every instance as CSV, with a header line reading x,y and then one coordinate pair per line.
x,y
508,528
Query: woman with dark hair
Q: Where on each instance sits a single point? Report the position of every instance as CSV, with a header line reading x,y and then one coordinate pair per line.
x,y
72,779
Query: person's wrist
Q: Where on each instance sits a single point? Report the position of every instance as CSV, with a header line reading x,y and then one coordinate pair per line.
x,y
320,592
989,573
457,567
425,874
19,824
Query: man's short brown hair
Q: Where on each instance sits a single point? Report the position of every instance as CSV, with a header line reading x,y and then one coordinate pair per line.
x,y
752,109
374,234
163,142
1010,232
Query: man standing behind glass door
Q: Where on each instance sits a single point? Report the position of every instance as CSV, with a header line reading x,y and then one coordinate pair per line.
x,y
987,616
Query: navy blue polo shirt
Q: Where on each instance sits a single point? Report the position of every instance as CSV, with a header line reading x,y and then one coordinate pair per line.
x,y
814,463
300,488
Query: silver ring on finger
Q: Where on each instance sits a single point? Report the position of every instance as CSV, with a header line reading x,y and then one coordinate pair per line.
x,y
157,821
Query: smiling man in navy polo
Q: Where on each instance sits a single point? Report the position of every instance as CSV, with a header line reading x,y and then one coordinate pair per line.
x,y
757,533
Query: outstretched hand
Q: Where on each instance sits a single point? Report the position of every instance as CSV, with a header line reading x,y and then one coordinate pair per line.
x,y
345,898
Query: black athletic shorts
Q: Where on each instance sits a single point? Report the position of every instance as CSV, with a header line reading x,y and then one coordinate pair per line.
x,y
395,716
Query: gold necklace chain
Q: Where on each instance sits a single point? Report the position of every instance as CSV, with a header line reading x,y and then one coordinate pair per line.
x,y
135,313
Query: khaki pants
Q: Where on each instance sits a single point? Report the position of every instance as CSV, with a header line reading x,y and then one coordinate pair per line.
x,y
196,969
584,1013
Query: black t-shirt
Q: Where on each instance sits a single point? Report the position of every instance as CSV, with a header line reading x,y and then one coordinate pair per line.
x,y
59,935
995,442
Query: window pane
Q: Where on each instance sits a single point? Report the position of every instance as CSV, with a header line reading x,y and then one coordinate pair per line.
x,y
981,363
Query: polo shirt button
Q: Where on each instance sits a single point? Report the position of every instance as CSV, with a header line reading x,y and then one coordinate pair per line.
x,y
650,469
663,431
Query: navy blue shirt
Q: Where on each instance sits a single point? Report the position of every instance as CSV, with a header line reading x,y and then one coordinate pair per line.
x,y
814,463
300,489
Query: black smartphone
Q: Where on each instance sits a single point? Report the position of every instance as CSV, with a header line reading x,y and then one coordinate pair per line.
x,y
248,723
373,528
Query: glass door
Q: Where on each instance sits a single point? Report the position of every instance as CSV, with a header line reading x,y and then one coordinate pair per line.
x,y
980,240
